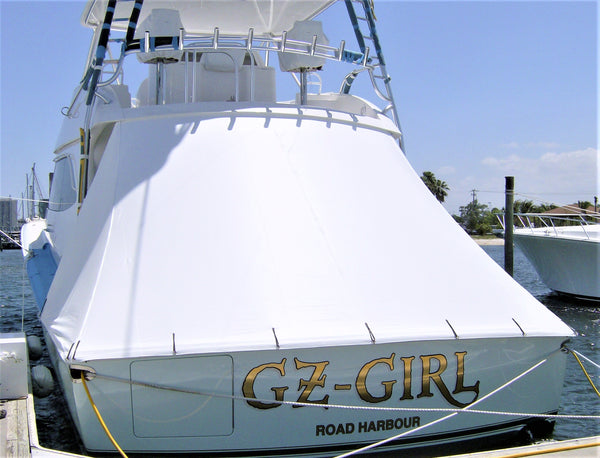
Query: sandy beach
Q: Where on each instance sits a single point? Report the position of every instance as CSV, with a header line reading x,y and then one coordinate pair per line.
x,y
489,241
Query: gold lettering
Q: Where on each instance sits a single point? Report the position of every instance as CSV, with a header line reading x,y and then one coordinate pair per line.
x,y
427,375
316,379
436,376
407,377
460,377
361,380
248,385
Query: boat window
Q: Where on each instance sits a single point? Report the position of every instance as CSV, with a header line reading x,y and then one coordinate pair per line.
x,y
63,193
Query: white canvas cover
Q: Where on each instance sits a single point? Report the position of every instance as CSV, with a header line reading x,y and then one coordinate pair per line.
x,y
267,17
220,231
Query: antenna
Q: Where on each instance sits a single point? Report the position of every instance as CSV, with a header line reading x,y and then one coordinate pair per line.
x,y
27,194
32,191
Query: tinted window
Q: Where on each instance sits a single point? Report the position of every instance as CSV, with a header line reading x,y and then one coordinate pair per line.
x,y
63,193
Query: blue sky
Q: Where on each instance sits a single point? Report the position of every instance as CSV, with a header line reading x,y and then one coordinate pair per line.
x,y
484,89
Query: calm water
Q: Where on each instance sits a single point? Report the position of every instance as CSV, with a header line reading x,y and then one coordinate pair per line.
x,y
55,429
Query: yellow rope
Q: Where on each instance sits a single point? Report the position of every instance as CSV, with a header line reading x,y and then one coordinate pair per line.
x,y
585,372
112,439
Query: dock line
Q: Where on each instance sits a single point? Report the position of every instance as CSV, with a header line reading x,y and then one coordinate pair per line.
x,y
574,353
97,412
465,409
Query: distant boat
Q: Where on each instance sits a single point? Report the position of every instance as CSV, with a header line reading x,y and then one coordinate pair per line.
x,y
565,251
298,309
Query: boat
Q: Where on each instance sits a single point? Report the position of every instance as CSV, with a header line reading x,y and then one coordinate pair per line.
x,y
564,249
222,272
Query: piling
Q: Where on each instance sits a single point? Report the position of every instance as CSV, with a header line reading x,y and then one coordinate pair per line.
x,y
508,224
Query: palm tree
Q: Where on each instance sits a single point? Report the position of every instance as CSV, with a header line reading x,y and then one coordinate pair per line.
x,y
523,206
584,204
437,187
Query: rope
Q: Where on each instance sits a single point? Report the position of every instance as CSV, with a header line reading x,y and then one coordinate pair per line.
x,y
465,409
97,412
452,412
10,238
35,201
21,199
351,407
584,357
574,353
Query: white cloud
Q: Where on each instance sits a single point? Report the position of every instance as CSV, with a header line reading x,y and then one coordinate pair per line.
x,y
560,177
567,164
507,163
551,177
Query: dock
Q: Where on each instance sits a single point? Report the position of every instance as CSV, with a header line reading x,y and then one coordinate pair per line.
x,y
587,447
18,430
19,438
14,430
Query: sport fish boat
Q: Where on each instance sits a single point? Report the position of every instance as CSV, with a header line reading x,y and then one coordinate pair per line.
x,y
230,274
564,250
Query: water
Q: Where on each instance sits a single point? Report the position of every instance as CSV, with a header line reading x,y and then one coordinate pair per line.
x,y
56,430
578,397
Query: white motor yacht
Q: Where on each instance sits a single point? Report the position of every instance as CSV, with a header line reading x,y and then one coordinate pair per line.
x,y
564,250
228,273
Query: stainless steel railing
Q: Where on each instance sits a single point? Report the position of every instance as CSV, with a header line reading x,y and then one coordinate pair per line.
x,y
556,224
196,44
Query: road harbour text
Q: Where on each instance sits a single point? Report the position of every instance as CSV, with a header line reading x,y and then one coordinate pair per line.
x,y
359,427
390,378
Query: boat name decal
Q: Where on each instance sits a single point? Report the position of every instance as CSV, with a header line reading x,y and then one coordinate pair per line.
x,y
359,427
368,386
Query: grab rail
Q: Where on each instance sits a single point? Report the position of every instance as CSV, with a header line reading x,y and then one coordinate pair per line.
x,y
554,222
217,41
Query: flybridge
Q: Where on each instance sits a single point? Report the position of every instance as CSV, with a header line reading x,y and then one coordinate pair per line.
x,y
162,33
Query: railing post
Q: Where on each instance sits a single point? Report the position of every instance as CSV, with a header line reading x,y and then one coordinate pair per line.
x,y
508,224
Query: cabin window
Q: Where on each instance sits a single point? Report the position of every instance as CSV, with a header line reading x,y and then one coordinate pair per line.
x,y
63,194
